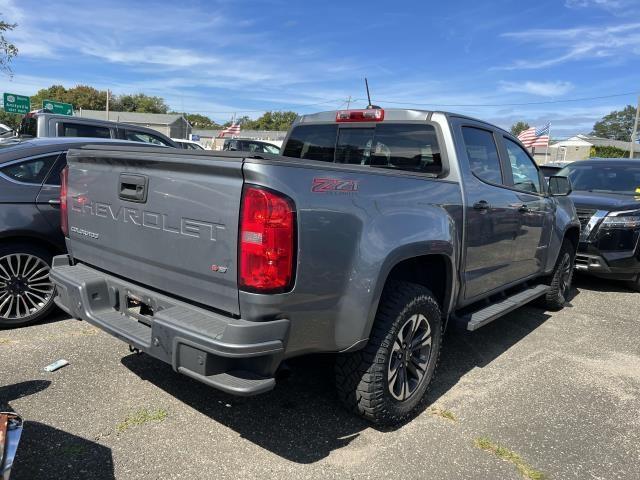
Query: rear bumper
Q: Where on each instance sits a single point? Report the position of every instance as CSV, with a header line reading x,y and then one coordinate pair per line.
x,y
231,354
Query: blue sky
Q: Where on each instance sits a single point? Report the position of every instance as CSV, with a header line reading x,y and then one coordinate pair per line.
x,y
219,57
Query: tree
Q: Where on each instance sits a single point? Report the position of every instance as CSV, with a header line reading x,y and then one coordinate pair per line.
x,y
201,121
80,96
270,121
140,102
519,127
617,125
7,49
10,119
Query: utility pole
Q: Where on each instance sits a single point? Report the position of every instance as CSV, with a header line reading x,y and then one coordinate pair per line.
x,y
107,104
632,144
348,102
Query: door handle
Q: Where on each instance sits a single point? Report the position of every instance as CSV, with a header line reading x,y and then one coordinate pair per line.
x,y
133,187
54,201
482,205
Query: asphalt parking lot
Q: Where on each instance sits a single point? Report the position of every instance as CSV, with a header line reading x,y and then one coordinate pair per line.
x,y
560,392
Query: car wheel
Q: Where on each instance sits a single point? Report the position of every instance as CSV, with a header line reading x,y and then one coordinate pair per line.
x,y
635,284
386,381
26,292
561,278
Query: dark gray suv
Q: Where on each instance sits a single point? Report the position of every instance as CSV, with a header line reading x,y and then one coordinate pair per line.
x,y
30,223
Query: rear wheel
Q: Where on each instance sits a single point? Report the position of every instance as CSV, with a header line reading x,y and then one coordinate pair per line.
x,y
386,381
561,278
26,292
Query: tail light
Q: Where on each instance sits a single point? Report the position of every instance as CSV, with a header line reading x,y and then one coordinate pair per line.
x,y
369,115
267,241
64,214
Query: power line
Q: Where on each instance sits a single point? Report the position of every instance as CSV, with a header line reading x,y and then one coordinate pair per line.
x,y
547,102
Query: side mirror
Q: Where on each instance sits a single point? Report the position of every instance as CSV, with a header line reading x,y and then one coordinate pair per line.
x,y
559,186
10,432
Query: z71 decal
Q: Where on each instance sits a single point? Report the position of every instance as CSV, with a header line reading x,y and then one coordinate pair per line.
x,y
324,185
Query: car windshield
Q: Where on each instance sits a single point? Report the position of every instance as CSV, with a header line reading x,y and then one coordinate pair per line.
x,y
615,178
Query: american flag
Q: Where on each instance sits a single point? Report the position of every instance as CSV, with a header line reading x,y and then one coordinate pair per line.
x,y
233,129
535,136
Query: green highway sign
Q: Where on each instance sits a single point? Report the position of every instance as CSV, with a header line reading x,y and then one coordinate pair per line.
x,y
57,107
16,103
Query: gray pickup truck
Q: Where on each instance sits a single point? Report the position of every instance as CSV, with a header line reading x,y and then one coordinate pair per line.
x,y
372,232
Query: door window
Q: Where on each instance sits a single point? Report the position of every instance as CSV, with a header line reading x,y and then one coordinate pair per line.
x,y
525,173
483,154
144,137
81,130
30,171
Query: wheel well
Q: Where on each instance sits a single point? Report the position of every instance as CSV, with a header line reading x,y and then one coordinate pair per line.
x,y
430,271
33,241
573,235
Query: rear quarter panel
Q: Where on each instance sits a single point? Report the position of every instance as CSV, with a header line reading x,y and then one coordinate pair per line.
x,y
348,242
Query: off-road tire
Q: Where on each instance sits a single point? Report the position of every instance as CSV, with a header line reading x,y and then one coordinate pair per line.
x,y
362,377
561,277
43,255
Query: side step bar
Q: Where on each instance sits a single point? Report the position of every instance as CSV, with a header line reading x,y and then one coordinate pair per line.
x,y
480,318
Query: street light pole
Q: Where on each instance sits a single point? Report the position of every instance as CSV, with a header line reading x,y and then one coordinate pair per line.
x,y
107,104
632,143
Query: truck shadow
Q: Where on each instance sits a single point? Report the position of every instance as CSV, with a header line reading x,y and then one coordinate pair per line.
x,y
302,420
47,452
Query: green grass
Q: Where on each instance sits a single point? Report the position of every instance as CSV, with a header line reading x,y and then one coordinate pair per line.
x,y
448,414
141,417
526,470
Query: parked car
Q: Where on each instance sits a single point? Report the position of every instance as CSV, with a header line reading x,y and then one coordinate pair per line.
x,y
187,144
40,124
552,168
30,223
247,145
374,231
607,199
5,132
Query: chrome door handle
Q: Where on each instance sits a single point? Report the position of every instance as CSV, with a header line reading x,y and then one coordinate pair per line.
x,y
54,201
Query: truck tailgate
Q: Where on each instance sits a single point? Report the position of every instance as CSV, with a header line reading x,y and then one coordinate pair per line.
x,y
159,217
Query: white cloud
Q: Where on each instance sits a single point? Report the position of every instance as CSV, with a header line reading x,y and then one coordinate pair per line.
x,y
572,44
543,89
618,7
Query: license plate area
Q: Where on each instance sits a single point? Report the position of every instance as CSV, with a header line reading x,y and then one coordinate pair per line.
x,y
138,308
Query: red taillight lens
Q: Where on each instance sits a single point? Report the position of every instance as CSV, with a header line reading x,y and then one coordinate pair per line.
x,y
267,241
64,214
369,115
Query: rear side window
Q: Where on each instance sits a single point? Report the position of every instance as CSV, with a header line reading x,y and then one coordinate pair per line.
x,y
483,154
408,147
30,171
54,174
81,130
313,142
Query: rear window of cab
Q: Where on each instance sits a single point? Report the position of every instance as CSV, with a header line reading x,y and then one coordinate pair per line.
x,y
407,147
